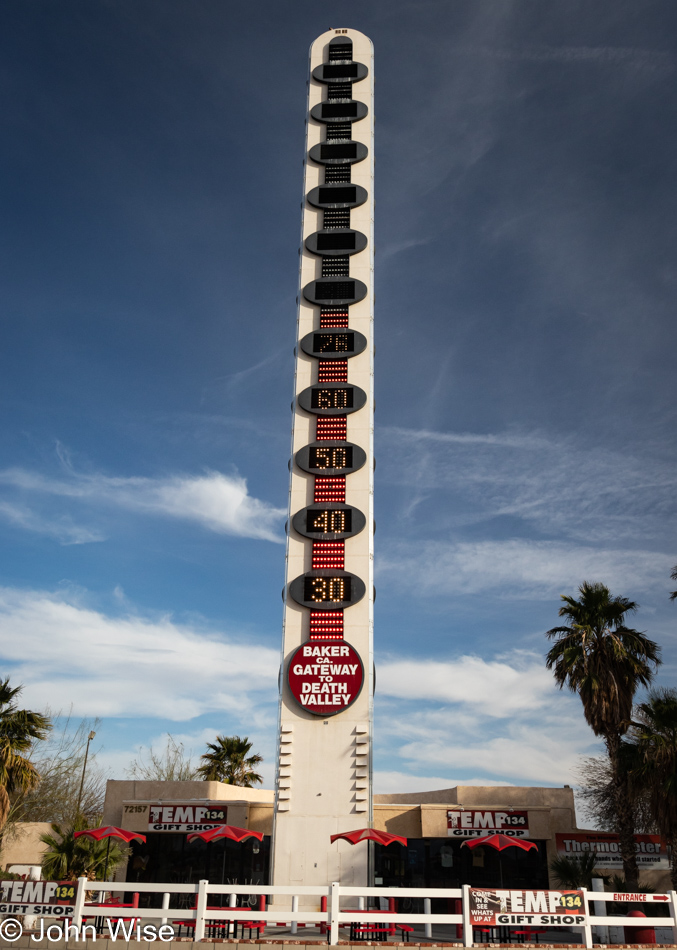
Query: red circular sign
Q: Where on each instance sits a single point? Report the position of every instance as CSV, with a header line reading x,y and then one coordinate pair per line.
x,y
325,677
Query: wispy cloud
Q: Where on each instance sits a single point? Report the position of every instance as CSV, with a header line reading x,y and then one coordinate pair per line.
x,y
63,529
218,502
516,568
562,486
66,652
654,61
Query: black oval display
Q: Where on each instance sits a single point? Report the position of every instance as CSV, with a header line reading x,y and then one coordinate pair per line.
x,y
340,72
331,521
332,399
336,242
332,292
338,153
337,195
333,344
330,458
327,590
346,110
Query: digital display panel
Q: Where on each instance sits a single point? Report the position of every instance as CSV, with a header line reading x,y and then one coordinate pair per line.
x,y
332,110
338,151
338,241
331,398
319,590
327,589
339,290
347,71
333,342
335,293
329,196
330,456
329,521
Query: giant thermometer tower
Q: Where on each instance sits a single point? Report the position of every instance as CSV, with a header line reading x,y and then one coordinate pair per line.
x,y
323,782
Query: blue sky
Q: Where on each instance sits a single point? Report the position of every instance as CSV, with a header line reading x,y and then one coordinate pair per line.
x,y
150,182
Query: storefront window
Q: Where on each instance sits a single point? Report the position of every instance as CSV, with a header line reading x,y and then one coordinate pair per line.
x,y
438,862
169,858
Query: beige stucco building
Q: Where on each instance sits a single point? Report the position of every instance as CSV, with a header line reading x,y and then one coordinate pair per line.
x,y
431,821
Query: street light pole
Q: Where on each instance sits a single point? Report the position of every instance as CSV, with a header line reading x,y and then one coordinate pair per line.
x,y
84,766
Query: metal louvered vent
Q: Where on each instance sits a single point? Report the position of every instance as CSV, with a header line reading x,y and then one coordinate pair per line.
x,y
340,90
336,173
336,266
336,218
338,131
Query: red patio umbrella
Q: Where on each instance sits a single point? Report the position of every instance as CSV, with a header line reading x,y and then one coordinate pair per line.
x,y
226,831
110,831
500,842
369,834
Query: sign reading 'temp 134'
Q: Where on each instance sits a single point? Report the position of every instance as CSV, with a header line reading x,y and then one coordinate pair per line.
x,y
468,823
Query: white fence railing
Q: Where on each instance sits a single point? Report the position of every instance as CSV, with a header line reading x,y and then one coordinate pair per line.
x,y
330,916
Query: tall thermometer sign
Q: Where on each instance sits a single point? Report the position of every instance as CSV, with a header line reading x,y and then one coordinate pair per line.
x,y
324,763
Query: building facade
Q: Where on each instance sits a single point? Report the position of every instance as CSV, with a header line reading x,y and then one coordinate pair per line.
x,y
323,780
436,825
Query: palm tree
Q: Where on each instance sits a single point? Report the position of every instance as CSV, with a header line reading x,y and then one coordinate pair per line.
x,y
673,575
574,871
654,733
226,761
19,728
67,858
598,657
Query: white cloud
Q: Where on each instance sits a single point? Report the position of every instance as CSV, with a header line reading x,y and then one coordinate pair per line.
x,y
499,688
531,746
517,568
218,502
501,721
66,652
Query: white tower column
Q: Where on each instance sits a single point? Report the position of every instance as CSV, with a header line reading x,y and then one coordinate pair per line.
x,y
324,773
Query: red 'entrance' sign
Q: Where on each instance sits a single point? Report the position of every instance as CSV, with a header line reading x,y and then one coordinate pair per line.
x,y
325,678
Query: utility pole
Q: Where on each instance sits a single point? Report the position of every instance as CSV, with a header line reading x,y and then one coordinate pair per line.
x,y
84,767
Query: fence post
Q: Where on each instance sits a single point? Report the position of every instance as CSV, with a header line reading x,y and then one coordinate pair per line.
x,y
334,905
294,909
427,909
467,925
587,927
79,903
673,914
232,927
201,910
600,911
165,905
323,910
